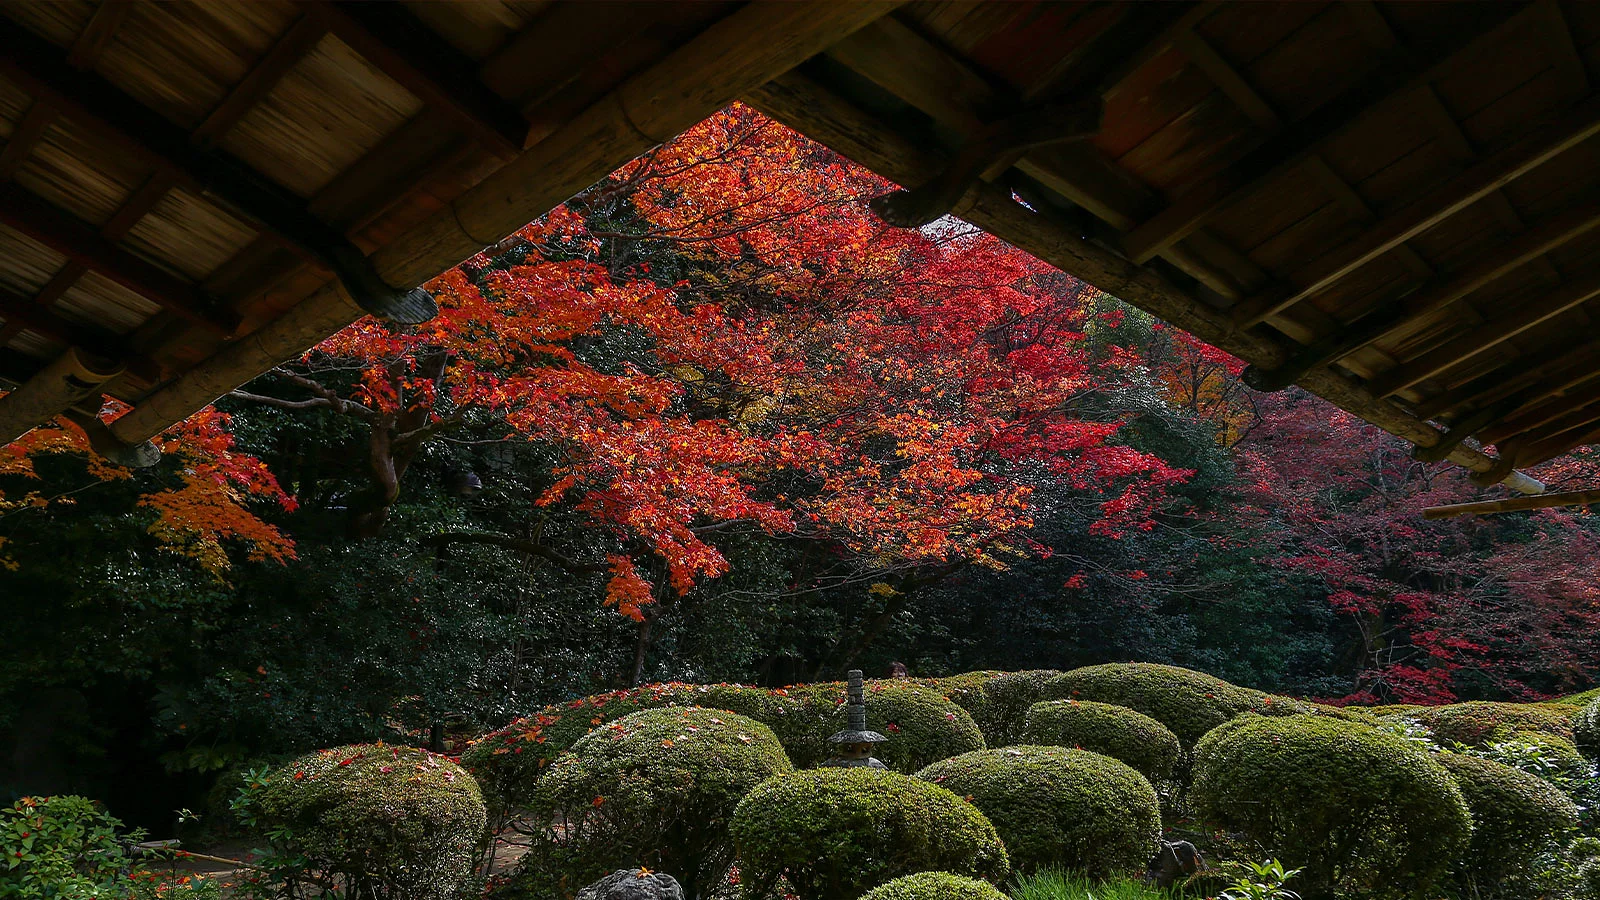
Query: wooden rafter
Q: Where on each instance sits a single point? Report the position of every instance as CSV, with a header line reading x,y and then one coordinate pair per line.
x,y
1400,72
289,49
1512,504
390,37
1550,375
24,137
1522,156
92,41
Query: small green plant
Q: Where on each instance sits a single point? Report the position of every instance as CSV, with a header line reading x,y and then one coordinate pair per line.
x,y
1263,881
63,846
1054,884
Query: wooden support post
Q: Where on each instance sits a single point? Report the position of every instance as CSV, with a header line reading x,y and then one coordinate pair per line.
x,y
1522,156
73,377
830,120
1512,504
749,47
1485,336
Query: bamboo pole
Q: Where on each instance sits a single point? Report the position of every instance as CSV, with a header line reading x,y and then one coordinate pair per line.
x,y
749,47
72,378
1512,504
825,117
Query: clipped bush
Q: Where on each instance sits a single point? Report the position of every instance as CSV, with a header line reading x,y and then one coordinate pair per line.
x,y
1586,729
1363,812
1478,722
509,762
656,788
377,820
1189,703
1007,698
1114,731
921,724
1056,806
833,834
1515,816
964,690
934,886
62,846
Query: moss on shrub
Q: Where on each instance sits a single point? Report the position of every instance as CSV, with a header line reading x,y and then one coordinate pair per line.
x,y
1115,731
655,788
509,762
1363,812
934,886
833,834
1586,729
1057,806
1477,723
1515,816
1189,703
396,818
1007,699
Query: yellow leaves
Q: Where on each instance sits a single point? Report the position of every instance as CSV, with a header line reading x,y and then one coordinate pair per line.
x,y
879,589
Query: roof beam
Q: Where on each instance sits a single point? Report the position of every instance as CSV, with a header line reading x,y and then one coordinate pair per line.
x,y
92,41
1544,414
292,47
1512,504
830,120
399,46
72,378
1522,156
1400,71
81,243
24,137
1483,337
1492,386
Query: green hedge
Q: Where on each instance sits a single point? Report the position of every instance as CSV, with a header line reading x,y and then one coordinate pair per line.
x,y
1189,703
1586,729
1477,723
1515,816
934,886
1363,812
921,724
655,788
1007,699
964,690
1114,731
833,834
398,820
1056,806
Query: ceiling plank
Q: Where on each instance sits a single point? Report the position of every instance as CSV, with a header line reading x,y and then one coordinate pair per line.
x,y
25,136
284,55
91,43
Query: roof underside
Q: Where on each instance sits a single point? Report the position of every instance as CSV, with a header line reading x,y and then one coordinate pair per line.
x,y
1395,205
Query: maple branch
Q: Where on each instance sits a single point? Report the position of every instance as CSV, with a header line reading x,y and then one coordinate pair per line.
x,y
506,541
345,407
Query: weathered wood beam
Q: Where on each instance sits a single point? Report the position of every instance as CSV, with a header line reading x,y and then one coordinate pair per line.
x,y
390,37
825,117
1460,431
1492,386
72,378
1399,72
1412,309
739,52
1560,414
24,137
1228,80
1522,156
81,243
284,55
1542,450
1496,331
31,315
1512,504
92,41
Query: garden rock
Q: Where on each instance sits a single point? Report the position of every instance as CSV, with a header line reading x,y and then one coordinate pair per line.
x,y
633,884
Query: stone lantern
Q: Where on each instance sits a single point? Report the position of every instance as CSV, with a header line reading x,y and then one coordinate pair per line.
x,y
853,746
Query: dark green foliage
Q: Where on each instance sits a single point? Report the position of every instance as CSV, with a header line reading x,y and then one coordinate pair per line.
x,y
509,762
964,690
835,833
1114,731
1364,812
1189,703
921,724
934,886
1479,722
1586,729
1007,697
655,788
62,847
1515,816
1056,806
385,822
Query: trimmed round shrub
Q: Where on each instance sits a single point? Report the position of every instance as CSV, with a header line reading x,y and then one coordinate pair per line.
x,y
509,762
921,724
1515,815
833,834
1056,806
402,820
1189,703
1361,811
1007,699
655,788
1114,731
934,886
964,690
1586,729
1478,722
